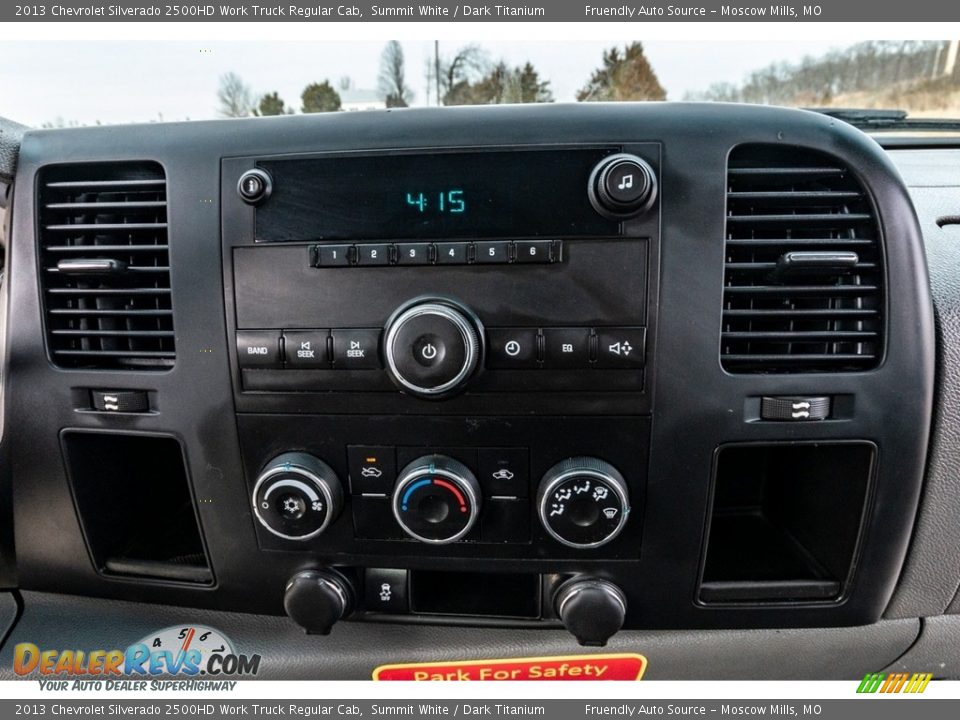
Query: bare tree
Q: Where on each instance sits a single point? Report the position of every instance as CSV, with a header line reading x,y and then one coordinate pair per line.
x,y
236,98
392,82
458,71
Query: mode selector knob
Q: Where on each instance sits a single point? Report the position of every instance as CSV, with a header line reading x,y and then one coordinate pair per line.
x,y
297,496
432,347
583,502
622,186
436,500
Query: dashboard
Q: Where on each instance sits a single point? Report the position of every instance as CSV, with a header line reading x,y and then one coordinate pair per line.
x,y
584,373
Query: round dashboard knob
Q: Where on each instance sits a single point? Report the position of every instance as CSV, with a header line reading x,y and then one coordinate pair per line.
x,y
317,599
297,496
432,347
622,186
436,500
592,610
583,502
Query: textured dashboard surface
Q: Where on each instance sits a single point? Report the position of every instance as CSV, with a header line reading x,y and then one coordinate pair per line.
x,y
932,571
11,134
353,650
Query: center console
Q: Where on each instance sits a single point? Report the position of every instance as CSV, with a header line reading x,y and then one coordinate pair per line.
x,y
640,366
443,292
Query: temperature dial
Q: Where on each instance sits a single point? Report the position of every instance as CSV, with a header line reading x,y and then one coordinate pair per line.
x,y
297,496
436,500
583,502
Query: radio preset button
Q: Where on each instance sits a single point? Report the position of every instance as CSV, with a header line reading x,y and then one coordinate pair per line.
x,y
566,347
413,254
452,253
259,349
621,347
534,251
332,255
356,349
306,348
373,254
493,252
512,348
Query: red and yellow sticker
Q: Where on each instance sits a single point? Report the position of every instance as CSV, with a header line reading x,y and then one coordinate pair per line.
x,y
623,666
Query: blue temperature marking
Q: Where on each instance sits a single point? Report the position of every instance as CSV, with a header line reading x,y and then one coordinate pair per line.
x,y
406,495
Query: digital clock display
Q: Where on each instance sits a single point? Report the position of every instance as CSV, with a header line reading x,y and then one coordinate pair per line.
x,y
497,193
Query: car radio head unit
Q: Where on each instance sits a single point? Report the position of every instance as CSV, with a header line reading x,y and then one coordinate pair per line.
x,y
495,193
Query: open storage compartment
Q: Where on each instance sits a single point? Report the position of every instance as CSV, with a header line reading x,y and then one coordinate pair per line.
x,y
135,506
785,521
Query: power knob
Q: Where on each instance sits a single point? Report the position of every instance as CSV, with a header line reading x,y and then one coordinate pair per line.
x,y
297,496
583,502
433,347
622,186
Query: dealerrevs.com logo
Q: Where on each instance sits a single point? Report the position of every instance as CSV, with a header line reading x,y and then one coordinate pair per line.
x,y
188,652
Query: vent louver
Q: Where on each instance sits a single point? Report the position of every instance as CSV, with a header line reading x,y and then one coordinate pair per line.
x,y
105,266
803,279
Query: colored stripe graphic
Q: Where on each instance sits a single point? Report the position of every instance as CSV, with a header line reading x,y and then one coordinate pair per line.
x,y
894,683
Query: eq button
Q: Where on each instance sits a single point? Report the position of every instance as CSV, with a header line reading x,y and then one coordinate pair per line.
x,y
566,348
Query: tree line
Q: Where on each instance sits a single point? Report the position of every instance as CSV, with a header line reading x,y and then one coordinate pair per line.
x,y
869,67
465,77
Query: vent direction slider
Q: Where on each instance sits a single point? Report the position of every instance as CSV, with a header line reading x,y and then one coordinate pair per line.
x,y
792,264
93,266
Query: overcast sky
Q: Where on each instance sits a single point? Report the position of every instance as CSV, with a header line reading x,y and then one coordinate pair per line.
x,y
86,82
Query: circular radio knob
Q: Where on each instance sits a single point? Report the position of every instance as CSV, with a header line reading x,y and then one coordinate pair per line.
x,y
297,496
622,186
317,599
432,347
436,500
593,610
583,502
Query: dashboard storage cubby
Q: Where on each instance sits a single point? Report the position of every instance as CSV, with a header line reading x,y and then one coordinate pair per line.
x,y
785,521
135,506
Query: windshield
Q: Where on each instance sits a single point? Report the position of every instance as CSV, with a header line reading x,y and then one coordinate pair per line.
x,y
123,82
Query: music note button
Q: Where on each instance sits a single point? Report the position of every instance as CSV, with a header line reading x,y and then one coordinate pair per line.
x,y
626,182
623,185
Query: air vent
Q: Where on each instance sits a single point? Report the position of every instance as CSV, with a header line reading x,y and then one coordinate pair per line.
x,y
105,266
803,280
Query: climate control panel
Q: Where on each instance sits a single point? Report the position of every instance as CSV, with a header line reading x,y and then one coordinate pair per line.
x,y
543,487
